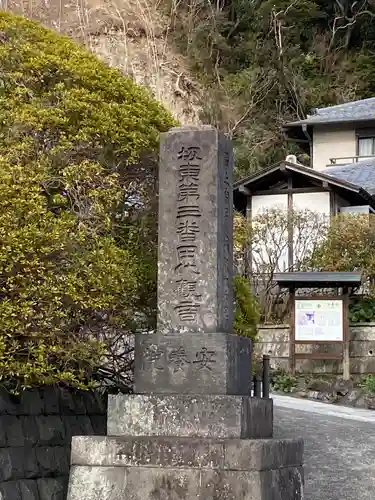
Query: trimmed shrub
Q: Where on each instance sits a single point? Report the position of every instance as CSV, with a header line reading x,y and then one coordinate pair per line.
x,y
77,175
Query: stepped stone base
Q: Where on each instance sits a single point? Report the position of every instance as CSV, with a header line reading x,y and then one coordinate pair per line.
x,y
190,416
161,468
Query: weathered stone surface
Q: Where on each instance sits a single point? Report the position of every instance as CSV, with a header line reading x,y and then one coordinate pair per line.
x,y
135,451
97,483
95,403
190,416
213,363
14,430
51,400
51,430
52,461
68,405
30,462
149,483
225,454
274,341
10,491
77,426
99,424
11,464
31,403
52,488
30,430
181,436
28,490
195,291
195,273
3,434
364,331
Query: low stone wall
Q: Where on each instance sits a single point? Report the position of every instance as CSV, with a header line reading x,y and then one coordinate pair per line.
x,y
274,340
35,439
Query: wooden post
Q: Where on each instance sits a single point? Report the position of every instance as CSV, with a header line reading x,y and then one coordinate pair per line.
x,y
292,344
346,354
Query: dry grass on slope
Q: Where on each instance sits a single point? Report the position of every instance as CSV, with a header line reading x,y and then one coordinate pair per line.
x,y
132,35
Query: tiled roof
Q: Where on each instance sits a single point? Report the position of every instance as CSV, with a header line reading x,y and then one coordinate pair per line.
x,y
350,111
362,174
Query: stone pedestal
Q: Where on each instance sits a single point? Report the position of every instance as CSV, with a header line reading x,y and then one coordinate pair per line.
x,y
191,431
190,416
208,363
149,468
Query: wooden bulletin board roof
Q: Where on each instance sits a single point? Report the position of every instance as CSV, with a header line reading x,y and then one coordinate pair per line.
x,y
317,279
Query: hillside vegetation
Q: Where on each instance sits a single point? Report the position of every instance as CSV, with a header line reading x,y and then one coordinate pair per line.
x,y
264,62
246,66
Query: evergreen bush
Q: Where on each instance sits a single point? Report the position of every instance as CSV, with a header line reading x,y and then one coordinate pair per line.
x,y
247,313
77,173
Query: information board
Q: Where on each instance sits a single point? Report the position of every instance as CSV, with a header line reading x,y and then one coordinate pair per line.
x,y
319,320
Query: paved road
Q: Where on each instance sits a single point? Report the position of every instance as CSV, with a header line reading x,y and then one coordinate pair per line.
x,y
339,447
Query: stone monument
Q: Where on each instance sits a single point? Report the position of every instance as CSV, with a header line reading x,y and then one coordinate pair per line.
x,y
191,430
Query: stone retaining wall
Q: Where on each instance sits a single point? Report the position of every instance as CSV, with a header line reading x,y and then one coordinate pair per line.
x,y
35,439
274,340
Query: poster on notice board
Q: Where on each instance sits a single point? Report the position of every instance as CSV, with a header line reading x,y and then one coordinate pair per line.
x,y
319,320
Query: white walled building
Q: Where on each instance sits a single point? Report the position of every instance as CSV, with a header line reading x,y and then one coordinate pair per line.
x,y
340,178
337,135
291,186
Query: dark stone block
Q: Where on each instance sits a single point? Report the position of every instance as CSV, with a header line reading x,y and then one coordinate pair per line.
x,y
53,460
85,425
95,402
31,403
190,416
77,426
30,463
101,403
3,436
71,402
5,465
13,430
7,404
10,491
67,405
51,430
51,400
224,454
72,427
79,402
28,490
99,424
52,488
62,460
213,363
30,430
12,463
46,461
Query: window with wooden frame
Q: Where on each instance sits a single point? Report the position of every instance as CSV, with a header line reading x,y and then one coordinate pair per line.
x,y
366,142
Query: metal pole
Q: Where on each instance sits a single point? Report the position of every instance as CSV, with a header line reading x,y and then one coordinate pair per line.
x,y
257,386
266,376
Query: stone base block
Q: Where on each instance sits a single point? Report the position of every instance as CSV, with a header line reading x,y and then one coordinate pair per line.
x,y
190,416
192,363
109,468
